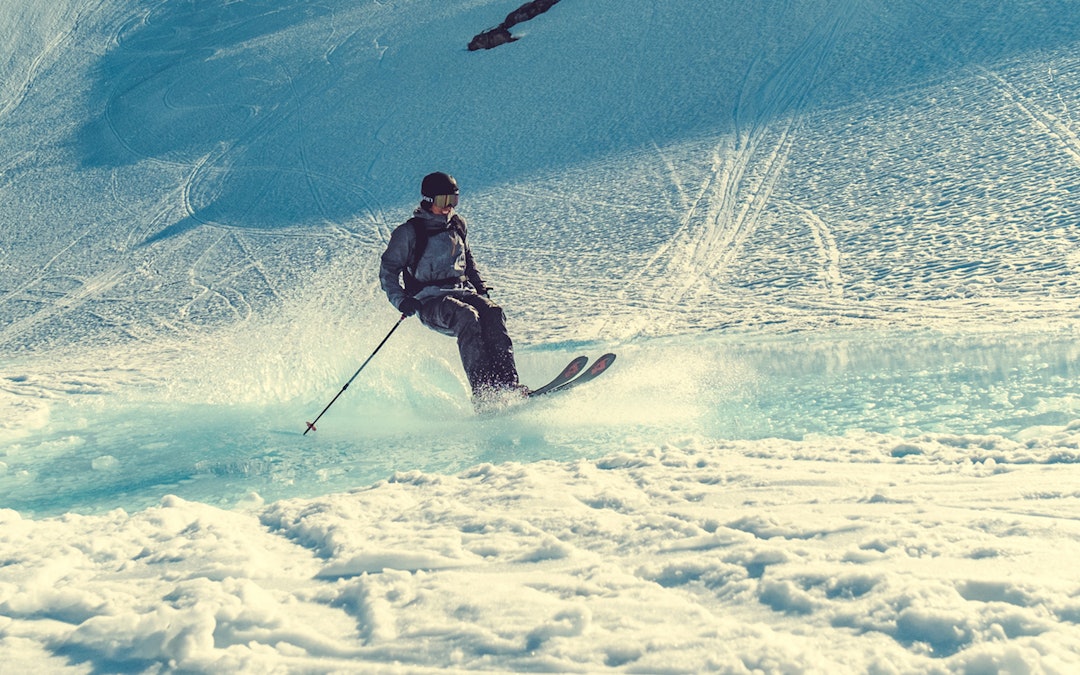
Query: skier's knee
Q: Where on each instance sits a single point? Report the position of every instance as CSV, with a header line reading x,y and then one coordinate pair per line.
x,y
491,318
465,319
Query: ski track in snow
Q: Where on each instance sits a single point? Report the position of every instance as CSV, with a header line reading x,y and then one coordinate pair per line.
x,y
1050,124
723,213
828,251
840,267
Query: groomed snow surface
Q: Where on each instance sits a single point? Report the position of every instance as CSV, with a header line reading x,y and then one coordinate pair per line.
x,y
834,244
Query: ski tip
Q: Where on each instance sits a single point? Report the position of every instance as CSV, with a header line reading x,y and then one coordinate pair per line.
x,y
601,364
575,366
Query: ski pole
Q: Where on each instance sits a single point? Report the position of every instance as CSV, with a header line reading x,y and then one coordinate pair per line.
x,y
311,425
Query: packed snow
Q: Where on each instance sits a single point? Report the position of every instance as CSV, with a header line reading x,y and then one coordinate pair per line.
x,y
833,242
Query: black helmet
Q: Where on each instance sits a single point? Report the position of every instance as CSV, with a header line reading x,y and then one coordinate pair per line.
x,y
438,183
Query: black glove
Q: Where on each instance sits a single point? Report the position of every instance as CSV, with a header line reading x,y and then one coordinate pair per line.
x,y
410,306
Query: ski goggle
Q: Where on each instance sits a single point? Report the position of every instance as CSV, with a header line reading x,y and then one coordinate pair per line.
x,y
443,201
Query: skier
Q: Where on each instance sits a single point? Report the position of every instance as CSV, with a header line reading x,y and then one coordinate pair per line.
x,y
428,269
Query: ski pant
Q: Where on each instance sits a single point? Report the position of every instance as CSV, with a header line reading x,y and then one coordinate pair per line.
x,y
487,352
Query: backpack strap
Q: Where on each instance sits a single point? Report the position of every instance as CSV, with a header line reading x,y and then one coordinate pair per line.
x,y
420,240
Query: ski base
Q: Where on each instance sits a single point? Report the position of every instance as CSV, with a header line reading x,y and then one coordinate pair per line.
x,y
561,383
572,370
574,374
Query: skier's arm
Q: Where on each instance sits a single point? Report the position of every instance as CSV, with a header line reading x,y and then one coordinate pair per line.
x,y
473,274
471,271
394,260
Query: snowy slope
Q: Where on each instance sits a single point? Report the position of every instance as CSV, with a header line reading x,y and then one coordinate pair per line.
x,y
832,162
834,243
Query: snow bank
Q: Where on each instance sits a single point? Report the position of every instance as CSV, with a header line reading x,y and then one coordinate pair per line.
x,y
853,554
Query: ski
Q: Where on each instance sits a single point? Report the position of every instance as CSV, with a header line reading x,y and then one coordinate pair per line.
x,y
572,370
595,370
573,374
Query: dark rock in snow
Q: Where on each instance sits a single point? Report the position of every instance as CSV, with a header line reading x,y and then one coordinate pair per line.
x,y
500,34
490,39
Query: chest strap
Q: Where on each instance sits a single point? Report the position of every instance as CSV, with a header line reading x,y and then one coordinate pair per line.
x,y
414,285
